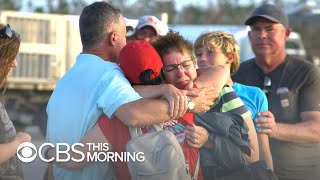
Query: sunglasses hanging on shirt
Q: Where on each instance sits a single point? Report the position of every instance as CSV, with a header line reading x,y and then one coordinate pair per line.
x,y
266,85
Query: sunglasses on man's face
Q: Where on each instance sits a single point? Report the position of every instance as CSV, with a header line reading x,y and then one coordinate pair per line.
x,y
6,32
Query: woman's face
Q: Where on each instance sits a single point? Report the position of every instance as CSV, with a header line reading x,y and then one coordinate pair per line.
x,y
179,69
13,65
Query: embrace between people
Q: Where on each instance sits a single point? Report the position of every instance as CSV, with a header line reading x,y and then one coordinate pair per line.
x,y
95,98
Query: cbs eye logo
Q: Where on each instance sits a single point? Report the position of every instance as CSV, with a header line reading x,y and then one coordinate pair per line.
x,y
24,152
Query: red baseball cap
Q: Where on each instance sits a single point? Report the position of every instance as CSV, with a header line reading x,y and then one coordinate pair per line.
x,y
136,57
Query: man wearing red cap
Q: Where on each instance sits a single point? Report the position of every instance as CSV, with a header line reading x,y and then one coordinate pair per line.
x,y
292,87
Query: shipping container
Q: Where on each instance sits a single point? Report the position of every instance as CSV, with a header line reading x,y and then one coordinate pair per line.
x,y
49,46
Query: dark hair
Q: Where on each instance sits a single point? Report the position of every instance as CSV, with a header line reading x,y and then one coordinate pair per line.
x,y
9,48
173,42
97,20
145,78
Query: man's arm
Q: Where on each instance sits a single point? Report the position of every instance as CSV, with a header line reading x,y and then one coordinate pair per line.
x,y
144,112
253,144
157,91
264,149
306,131
175,97
212,76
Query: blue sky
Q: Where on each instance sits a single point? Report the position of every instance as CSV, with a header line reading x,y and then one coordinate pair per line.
x,y
179,3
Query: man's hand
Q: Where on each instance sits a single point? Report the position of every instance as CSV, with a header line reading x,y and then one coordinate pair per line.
x,y
266,123
177,101
205,99
196,136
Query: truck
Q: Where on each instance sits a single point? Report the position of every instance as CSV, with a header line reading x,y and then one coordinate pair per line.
x,y
49,46
294,46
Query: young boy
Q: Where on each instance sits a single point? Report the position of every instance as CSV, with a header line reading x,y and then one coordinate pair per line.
x,y
220,48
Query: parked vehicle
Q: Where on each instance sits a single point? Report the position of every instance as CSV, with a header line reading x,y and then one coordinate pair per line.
x,y
49,46
294,45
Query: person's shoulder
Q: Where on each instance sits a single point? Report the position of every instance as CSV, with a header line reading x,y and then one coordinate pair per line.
x,y
302,66
298,62
245,66
252,90
96,61
246,87
227,89
247,63
228,92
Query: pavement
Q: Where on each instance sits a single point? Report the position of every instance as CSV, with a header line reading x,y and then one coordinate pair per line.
x,y
36,169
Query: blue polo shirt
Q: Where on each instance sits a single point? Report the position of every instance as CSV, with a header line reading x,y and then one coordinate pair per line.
x,y
89,89
253,98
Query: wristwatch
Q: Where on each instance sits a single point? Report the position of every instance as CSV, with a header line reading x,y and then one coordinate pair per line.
x,y
191,104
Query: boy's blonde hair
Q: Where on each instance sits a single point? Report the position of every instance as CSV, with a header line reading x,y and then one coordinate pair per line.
x,y
223,40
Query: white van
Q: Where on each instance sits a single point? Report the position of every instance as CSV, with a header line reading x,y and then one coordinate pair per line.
x,y
294,46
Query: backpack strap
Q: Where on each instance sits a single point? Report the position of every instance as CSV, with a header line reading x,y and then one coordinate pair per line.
x,y
136,131
157,127
196,170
